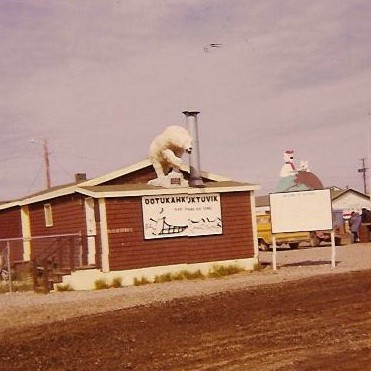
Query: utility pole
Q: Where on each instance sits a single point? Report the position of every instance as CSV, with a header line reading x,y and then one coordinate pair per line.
x,y
363,171
46,160
47,164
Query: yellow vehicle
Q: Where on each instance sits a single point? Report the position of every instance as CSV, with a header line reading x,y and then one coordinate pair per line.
x,y
314,238
265,237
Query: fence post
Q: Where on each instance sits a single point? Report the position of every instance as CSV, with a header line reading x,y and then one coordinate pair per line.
x,y
60,252
46,276
72,253
8,266
80,242
34,274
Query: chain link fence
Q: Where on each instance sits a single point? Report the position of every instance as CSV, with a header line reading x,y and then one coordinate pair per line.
x,y
17,273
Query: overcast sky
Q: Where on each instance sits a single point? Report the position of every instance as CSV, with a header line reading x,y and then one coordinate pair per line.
x,y
100,79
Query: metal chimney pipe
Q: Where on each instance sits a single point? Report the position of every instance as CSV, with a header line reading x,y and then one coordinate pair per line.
x,y
195,179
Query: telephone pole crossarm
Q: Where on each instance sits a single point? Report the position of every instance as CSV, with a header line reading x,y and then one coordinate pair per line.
x,y
363,170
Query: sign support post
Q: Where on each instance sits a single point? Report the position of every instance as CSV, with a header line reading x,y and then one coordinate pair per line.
x,y
333,250
8,265
274,253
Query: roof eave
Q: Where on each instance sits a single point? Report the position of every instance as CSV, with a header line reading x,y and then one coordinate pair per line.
x,y
141,165
166,191
48,196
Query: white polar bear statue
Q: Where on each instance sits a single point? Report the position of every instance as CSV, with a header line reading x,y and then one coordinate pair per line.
x,y
167,149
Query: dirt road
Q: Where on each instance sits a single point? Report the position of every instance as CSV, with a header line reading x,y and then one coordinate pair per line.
x,y
315,323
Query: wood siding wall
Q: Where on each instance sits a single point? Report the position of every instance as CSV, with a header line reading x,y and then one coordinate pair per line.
x,y
129,249
68,217
10,223
11,227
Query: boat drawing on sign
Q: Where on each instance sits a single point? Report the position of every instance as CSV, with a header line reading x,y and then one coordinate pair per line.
x,y
162,227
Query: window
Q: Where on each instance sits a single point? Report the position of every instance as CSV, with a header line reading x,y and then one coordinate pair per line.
x,y
48,215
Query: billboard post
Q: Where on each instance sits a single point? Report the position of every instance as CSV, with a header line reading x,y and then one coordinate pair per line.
x,y
274,253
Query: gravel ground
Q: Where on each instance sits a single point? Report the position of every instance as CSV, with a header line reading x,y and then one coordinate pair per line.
x,y
20,310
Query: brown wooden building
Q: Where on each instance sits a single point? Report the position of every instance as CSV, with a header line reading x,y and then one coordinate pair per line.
x,y
117,225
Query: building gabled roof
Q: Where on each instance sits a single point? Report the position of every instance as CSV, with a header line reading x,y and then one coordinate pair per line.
x,y
46,194
127,190
141,165
261,201
117,173
85,186
339,192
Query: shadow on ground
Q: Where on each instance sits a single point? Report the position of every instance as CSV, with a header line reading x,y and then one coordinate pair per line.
x,y
308,263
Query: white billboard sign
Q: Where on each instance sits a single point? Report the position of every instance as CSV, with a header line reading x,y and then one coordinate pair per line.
x,y
301,211
181,215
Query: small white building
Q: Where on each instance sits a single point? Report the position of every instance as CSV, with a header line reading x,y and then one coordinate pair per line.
x,y
349,200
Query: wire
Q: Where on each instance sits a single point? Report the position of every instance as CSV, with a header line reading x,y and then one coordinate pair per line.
x,y
104,160
35,178
15,155
70,174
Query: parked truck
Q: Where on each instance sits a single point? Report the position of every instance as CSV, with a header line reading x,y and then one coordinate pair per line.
x,y
339,228
294,239
265,236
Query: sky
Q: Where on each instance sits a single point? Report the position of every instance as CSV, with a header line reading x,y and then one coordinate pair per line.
x,y
98,80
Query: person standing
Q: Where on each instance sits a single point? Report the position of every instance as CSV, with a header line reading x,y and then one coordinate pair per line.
x,y
354,224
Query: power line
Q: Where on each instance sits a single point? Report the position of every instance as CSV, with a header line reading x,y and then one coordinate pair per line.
x,y
77,155
33,182
67,172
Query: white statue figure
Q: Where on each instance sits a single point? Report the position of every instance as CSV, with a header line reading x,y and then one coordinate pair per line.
x,y
167,149
296,180
304,166
288,168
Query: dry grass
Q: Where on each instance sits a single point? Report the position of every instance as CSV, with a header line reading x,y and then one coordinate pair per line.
x,y
224,270
101,284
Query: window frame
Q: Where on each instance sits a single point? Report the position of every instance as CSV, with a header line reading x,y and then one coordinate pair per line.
x,y
48,214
